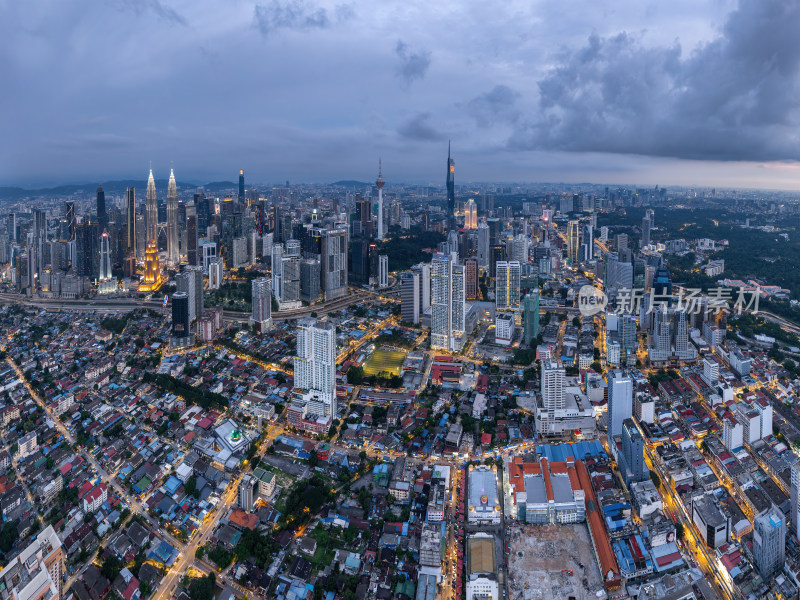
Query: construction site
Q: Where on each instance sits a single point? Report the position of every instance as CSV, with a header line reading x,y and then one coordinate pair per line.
x,y
552,562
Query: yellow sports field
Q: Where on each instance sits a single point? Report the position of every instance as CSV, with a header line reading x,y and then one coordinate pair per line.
x,y
384,361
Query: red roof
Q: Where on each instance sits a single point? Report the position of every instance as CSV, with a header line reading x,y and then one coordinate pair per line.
x,y
486,438
205,423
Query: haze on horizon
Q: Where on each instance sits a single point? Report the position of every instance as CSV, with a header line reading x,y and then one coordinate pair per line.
x,y
690,93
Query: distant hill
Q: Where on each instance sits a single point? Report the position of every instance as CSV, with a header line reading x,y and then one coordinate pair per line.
x,y
351,183
116,187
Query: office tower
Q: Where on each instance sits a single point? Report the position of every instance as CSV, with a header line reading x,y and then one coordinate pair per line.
x,y
199,293
470,215
552,386
87,250
471,278
622,241
646,230
496,255
247,493
173,249
215,273
588,242
11,220
151,211
262,303
277,270
181,332
795,497
424,270
573,242
507,286
102,215
383,271
379,183
459,307
191,233
530,308
620,403
410,297
315,363
37,572
769,542
632,458
241,186
290,282
362,226
310,280
106,282
451,186
69,218
483,245
333,263
710,371
627,333
209,253
662,285
190,281
130,222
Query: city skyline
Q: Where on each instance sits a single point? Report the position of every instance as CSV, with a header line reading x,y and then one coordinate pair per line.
x,y
658,94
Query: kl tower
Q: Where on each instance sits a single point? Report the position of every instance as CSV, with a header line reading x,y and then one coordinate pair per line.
x,y
379,183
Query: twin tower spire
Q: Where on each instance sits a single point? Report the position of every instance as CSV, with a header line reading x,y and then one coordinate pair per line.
x,y
151,216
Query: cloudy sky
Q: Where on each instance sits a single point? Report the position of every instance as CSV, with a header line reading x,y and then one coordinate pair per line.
x,y
632,91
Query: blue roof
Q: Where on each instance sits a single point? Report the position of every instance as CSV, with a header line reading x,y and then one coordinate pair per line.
x,y
578,450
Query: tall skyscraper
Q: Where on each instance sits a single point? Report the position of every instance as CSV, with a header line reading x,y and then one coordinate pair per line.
x,y
106,284
507,286
410,297
588,242
552,386
573,242
173,249
187,282
379,183
130,222
646,230
470,215
483,245
262,302
333,263
102,216
531,316
794,517
451,186
191,233
69,217
181,332
471,278
383,271
241,186
632,459
620,403
447,303
769,542
151,211
315,364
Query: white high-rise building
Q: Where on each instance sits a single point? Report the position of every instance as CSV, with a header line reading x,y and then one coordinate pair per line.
x,y
520,248
215,273
620,402
315,365
507,286
448,308
262,302
794,517
106,282
710,371
383,271
185,282
552,385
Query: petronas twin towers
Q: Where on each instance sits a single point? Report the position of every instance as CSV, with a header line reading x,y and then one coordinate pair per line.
x,y
151,216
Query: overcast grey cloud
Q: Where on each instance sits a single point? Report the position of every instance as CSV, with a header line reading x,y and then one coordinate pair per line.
x,y
681,92
413,64
734,98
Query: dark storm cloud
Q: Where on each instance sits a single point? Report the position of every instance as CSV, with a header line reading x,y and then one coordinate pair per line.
x,y
413,65
734,98
496,105
419,128
156,7
297,14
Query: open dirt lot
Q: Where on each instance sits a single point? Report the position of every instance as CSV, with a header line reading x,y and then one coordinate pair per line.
x,y
538,555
